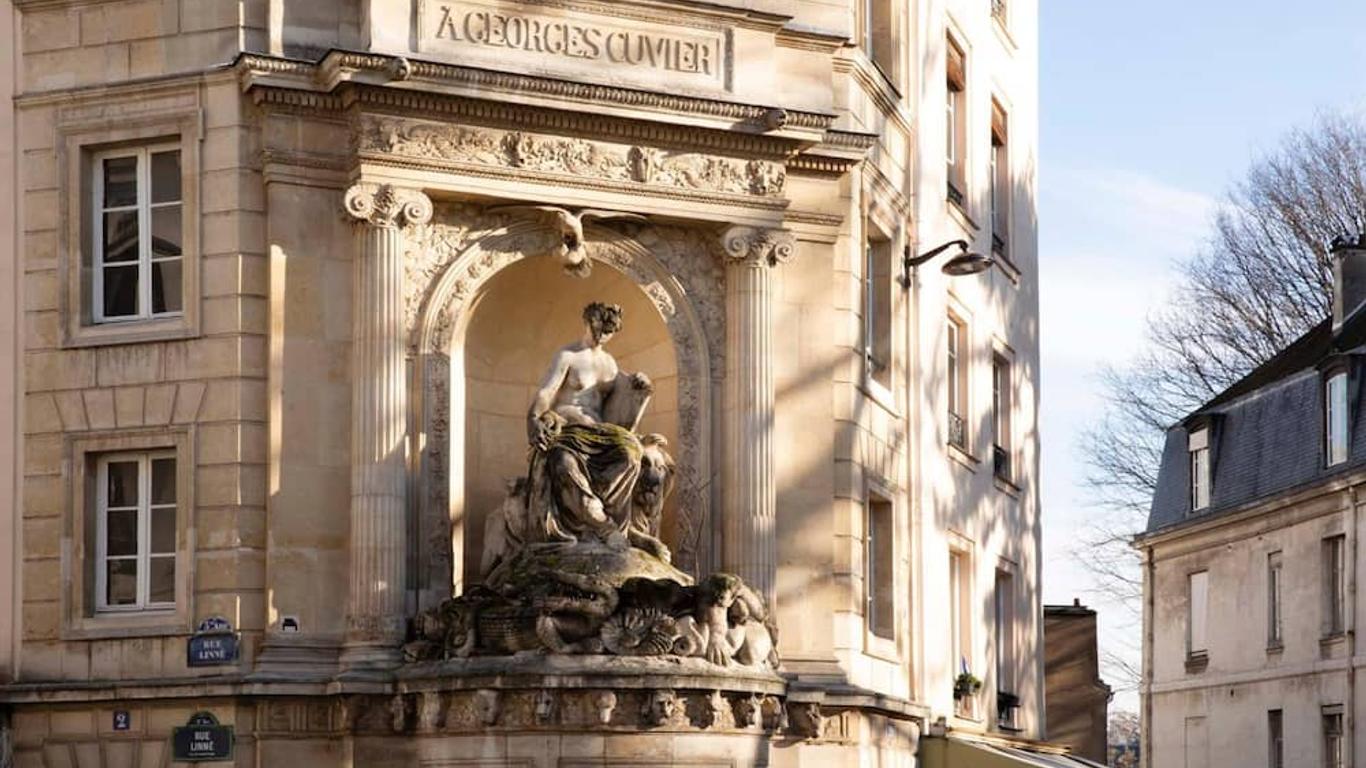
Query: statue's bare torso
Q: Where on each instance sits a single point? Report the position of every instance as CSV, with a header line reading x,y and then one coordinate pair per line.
x,y
578,383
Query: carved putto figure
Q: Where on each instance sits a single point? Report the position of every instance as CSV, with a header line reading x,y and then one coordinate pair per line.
x,y
573,561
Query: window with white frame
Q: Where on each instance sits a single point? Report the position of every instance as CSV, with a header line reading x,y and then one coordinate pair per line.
x,y
135,531
1332,736
136,234
1197,614
877,305
955,135
1274,636
879,567
1335,418
956,369
1198,447
1334,585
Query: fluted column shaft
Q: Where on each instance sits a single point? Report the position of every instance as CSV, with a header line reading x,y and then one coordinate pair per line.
x,y
379,407
749,546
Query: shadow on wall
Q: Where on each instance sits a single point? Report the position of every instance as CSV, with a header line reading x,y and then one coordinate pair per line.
x,y
529,310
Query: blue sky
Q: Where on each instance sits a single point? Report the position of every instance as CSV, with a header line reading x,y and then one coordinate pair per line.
x,y
1149,112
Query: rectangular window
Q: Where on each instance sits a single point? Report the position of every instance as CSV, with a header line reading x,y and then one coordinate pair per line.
x,y
955,106
879,567
1334,587
136,242
957,370
1199,469
135,532
958,612
1335,418
1273,600
878,36
1005,632
1275,739
1332,737
1000,182
1197,607
877,306
1001,404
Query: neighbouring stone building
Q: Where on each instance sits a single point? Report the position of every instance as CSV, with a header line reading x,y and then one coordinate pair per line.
x,y
1251,561
1077,700
281,279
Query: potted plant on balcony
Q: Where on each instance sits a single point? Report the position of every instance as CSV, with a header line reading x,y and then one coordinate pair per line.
x,y
966,685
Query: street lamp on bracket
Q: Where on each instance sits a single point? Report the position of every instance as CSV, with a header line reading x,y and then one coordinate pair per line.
x,y
966,262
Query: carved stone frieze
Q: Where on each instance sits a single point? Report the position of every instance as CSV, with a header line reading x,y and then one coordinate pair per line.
x,y
445,145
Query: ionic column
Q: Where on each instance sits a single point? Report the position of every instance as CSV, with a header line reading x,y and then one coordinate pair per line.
x,y
379,409
749,548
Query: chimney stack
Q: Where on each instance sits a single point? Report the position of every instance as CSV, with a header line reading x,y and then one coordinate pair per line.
x,y
1349,277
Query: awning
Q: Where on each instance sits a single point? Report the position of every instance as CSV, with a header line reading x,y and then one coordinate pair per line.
x,y
952,752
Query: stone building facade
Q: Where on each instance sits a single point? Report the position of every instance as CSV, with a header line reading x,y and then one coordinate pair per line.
x,y
279,292
1077,700
1251,561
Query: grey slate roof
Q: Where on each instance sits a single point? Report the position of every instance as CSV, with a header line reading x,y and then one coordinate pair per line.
x,y
1266,431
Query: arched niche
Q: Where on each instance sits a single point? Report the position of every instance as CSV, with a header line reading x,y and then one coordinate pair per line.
x,y
477,286
526,312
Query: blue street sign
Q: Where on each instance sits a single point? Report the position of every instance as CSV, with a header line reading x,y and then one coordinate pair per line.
x,y
201,739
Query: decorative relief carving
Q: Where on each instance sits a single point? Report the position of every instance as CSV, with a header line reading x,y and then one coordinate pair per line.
x,y
384,205
758,246
570,156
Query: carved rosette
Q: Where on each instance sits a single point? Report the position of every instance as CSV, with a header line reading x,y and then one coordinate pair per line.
x,y
384,205
758,246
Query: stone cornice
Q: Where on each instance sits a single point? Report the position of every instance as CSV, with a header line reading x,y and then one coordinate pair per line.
x,y
835,155
422,83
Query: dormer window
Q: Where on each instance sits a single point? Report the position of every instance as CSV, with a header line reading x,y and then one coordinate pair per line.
x,y
1335,418
1198,446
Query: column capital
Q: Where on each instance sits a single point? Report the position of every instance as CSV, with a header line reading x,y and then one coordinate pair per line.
x,y
384,205
758,245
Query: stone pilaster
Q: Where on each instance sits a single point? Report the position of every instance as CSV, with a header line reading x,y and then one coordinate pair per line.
x,y
379,407
749,546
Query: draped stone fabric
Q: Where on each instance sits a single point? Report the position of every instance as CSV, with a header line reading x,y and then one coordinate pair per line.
x,y
583,461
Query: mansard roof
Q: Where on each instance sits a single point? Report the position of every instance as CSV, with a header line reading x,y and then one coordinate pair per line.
x,y
1266,430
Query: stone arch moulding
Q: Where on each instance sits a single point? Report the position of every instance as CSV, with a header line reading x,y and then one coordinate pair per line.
x,y
448,266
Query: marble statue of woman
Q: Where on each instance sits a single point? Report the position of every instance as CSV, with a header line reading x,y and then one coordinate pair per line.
x,y
585,454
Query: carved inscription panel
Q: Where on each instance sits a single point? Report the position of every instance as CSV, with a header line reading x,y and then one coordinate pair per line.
x,y
559,40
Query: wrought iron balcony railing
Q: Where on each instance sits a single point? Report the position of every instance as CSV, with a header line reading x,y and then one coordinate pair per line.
x,y
957,434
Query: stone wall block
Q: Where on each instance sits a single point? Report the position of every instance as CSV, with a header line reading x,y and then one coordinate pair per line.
x,y
42,579
42,330
40,414
225,235
58,755
188,397
40,252
128,364
197,15
50,30
204,358
142,657
43,537
41,291
68,369
113,22
75,67
106,659
99,408
71,408
73,722
128,406
182,53
40,622
43,455
158,404
39,170
152,754
43,496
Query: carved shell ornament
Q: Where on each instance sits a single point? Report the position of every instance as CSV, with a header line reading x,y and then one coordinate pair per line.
x,y
570,253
